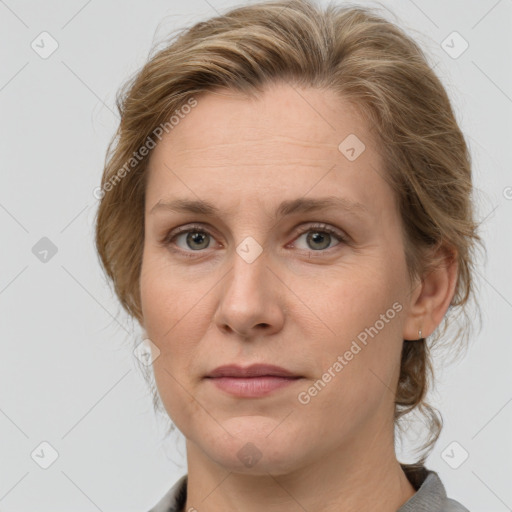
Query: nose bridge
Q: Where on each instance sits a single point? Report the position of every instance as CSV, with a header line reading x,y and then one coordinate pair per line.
x,y
248,274
247,300
249,257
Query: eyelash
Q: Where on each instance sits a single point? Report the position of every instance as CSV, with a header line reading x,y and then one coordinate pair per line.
x,y
321,228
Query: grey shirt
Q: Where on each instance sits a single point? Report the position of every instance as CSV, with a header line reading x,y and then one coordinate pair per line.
x,y
430,494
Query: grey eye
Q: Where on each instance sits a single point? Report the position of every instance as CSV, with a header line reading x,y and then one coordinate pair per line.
x,y
195,240
317,239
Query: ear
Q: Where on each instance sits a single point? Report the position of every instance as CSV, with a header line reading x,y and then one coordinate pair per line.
x,y
430,296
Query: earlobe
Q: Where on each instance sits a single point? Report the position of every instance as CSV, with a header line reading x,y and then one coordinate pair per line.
x,y
432,296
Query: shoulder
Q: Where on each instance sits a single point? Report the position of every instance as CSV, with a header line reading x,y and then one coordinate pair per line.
x,y
454,506
430,493
174,499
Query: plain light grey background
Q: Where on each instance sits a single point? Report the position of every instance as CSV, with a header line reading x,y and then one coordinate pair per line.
x,y
67,377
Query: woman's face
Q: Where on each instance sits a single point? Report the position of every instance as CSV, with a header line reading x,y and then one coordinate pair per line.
x,y
321,292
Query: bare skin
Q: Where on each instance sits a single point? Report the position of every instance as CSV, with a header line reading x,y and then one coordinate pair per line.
x,y
299,305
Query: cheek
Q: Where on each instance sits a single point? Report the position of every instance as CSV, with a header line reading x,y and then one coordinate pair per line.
x,y
355,297
180,404
165,296
174,320
168,326
363,316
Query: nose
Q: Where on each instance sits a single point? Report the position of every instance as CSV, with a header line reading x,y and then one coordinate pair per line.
x,y
251,299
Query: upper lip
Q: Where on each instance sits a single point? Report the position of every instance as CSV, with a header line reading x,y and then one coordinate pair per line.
x,y
255,370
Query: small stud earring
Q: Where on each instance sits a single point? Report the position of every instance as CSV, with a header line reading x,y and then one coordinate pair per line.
x,y
419,332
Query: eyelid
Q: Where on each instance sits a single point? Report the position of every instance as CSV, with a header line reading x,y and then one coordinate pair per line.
x,y
168,239
321,226
184,229
299,231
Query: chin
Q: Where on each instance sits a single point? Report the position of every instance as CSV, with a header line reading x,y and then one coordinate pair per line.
x,y
258,445
247,459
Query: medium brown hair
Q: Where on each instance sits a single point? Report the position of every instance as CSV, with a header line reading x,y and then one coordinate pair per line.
x,y
367,60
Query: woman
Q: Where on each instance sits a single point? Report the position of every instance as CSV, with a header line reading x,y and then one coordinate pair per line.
x,y
287,214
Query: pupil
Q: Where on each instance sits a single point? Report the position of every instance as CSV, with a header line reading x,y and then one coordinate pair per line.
x,y
317,237
196,238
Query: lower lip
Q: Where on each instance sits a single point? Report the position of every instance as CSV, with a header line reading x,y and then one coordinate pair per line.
x,y
252,387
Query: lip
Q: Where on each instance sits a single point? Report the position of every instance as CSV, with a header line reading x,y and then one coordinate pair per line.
x,y
252,387
253,381
255,370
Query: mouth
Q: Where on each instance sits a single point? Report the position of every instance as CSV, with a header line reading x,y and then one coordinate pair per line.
x,y
255,370
252,381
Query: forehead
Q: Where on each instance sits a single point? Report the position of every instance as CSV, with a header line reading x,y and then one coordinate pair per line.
x,y
285,140
225,119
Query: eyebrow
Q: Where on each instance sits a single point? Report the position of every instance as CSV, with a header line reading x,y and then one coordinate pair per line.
x,y
294,206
